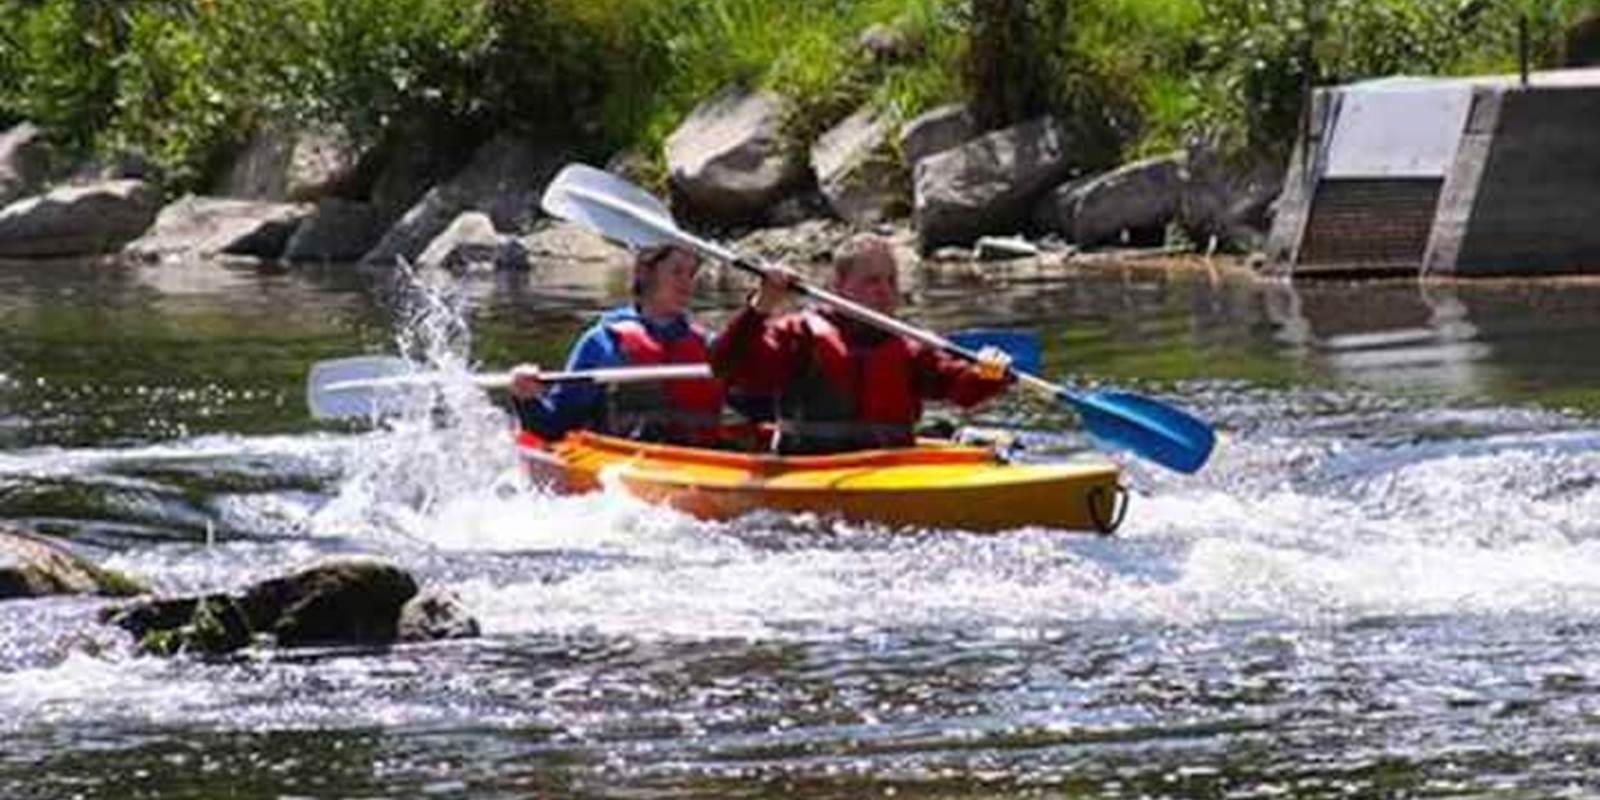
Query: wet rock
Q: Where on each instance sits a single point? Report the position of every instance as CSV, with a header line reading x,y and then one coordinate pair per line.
x,y
470,243
350,601
34,566
337,230
211,624
729,160
25,159
504,181
936,131
286,164
988,184
342,602
855,171
435,614
211,226
78,220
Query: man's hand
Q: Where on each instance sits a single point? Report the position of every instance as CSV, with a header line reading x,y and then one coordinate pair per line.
x,y
525,383
777,290
992,364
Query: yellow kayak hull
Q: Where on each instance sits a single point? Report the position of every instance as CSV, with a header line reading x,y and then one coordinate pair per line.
x,y
933,485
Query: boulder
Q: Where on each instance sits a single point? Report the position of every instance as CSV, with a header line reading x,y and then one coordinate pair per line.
x,y
855,172
336,230
435,614
1228,199
556,240
1130,204
342,602
471,242
78,220
197,226
25,159
936,131
283,163
34,566
989,184
504,180
729,160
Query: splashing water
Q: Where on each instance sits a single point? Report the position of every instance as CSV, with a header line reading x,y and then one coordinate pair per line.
x,y
446,447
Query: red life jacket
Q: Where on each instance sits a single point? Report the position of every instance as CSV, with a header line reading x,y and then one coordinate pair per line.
x,y
851,395
685,411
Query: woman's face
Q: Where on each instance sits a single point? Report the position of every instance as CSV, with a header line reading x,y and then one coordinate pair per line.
x,y
669,281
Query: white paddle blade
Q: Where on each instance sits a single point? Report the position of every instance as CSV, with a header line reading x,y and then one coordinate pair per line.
x,y
609,205
361,387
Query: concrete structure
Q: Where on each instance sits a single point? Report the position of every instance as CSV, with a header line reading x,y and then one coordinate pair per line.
x,y
1465,176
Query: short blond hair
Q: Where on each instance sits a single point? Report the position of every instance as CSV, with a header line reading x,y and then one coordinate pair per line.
x,y
859,248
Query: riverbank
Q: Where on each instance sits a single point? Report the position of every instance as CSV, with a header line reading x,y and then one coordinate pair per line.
x,y
352,119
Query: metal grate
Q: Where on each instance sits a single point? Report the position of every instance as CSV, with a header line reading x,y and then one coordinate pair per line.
x,y
1369,224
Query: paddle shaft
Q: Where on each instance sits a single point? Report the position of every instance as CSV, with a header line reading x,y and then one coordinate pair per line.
x,y
667,229
500,380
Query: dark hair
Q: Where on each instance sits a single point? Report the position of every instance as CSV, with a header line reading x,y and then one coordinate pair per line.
x,y
652,257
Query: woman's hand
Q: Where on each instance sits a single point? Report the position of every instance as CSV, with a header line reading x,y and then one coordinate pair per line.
x,y
525,383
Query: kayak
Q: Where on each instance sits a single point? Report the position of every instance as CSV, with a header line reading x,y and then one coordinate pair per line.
x,y
936,484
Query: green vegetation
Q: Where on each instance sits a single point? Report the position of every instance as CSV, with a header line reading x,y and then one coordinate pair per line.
x,y
181,81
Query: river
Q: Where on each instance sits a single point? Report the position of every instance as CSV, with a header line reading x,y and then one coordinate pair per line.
x,y
1383,585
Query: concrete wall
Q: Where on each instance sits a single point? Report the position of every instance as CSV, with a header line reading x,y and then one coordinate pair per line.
x,y
1537,206
1518,193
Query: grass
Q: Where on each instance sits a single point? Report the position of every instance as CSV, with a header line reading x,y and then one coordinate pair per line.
x,y
182,81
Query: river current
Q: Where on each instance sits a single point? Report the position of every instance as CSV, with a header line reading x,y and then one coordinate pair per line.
x,y
1384,584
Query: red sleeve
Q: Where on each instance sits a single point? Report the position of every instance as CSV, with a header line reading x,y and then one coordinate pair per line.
x,y
942,376
756,353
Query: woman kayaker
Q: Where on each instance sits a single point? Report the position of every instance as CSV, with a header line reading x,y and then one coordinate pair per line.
x,y
654,329
839,384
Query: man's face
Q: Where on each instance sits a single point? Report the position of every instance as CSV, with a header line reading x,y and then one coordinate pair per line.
x,y
670,278
872,281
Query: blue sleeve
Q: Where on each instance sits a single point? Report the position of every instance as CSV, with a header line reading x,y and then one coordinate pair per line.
x,y
574,405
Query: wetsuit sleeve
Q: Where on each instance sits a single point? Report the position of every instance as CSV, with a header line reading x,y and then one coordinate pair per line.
x,y
756,354
941,376
573,405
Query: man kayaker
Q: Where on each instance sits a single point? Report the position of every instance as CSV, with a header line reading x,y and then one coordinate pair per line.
x,y
653,329
839,384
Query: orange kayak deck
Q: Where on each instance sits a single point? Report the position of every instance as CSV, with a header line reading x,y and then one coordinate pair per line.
x,y
934,485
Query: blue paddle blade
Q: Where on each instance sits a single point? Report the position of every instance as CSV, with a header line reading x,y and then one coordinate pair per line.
x,y
1022,346
1150,428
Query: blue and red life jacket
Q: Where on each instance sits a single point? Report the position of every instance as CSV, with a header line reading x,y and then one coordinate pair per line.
x,y
680,411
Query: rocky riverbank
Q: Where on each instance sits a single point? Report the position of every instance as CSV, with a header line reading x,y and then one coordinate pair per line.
x,y
309,195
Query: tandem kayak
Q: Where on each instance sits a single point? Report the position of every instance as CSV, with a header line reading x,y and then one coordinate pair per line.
x,y
933,485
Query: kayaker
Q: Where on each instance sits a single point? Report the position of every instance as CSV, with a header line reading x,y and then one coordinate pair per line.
x,y
653,329
839,384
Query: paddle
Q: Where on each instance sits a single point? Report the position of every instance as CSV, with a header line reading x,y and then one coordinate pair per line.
x,y
366,386
621,211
